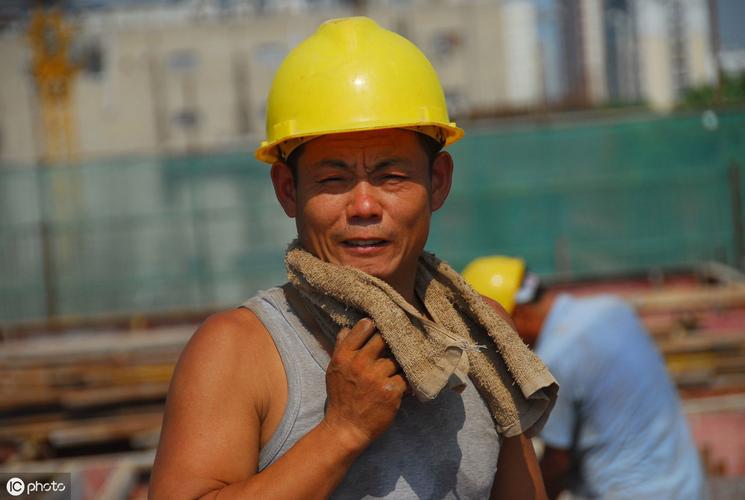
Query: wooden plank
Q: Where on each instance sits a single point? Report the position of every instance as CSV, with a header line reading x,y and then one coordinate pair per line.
x,y
701,341
729,402
76,376
188,318
85,398
695,299
731,364
104,429
64,387
14,429
70,349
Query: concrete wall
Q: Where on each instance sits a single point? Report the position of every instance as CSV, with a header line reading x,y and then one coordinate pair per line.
x,y
188,87
666,73
655,54
179,85
701,65
18,137
169,88
485,53
593,29
522,55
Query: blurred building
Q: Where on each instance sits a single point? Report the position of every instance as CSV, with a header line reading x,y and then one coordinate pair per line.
x,y
635,50
185,78
583,53
675,50
622,63
193,75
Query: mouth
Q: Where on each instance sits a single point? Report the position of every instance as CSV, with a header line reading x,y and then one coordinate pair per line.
x,y
364,243
365,247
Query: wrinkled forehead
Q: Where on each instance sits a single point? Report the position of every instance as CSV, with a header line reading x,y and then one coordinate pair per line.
x,y
367,146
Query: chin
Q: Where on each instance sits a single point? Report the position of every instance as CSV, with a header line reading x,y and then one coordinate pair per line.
x,y
372,270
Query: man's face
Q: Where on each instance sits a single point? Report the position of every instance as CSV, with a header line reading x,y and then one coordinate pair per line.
x,y
365,199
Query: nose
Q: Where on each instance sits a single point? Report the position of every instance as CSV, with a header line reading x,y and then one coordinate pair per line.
x,y
364,205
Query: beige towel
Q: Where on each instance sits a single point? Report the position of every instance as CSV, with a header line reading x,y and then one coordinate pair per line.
x,y
516,386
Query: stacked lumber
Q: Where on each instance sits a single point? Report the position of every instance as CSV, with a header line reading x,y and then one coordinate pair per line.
x,y
688,299
706,362
91,402
701,333
85,393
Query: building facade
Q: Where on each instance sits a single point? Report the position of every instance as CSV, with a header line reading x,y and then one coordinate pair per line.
x,y
178,79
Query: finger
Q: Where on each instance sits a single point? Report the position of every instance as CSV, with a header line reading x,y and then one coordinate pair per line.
x,y
359,334
374,347
397,383
387,366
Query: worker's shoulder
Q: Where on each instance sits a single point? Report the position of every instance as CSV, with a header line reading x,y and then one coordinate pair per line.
x,y
601,321
601,306
498,309
234,337
233,325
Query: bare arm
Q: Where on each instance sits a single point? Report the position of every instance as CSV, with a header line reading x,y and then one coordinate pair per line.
x,y
518,474
555,466
224,393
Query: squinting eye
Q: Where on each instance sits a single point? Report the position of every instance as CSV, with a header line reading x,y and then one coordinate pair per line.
x,y
329,180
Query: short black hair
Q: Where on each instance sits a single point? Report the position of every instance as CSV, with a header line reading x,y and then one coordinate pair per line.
x,y
430,146
292,161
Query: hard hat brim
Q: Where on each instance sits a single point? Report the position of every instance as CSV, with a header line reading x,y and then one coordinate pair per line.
x,y
268,152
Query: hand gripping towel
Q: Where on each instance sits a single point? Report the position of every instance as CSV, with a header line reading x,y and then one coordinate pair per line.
x,y
465,337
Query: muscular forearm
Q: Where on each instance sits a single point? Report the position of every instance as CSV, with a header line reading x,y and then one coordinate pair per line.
x,y
518,474
311,469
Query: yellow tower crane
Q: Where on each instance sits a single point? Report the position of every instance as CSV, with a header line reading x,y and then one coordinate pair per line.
x,y
54,74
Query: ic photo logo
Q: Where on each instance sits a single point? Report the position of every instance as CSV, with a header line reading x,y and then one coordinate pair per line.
x,y
15,486
37,485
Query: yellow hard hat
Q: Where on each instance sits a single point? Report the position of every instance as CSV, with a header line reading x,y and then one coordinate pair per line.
x,y
353,75
497,277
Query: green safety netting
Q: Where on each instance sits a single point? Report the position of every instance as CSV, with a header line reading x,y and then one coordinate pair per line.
x,y
574,198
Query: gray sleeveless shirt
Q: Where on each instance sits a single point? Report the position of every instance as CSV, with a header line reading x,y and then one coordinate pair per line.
x,y
446,448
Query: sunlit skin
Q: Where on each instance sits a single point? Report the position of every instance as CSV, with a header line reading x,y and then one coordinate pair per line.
x,y
365,199
529,318
556,463
229,392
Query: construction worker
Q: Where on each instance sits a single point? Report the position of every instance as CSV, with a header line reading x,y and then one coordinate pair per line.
x,y
339,383
617,430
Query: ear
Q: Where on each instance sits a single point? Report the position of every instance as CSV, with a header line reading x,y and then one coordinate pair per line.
x,y
284,187
442,179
